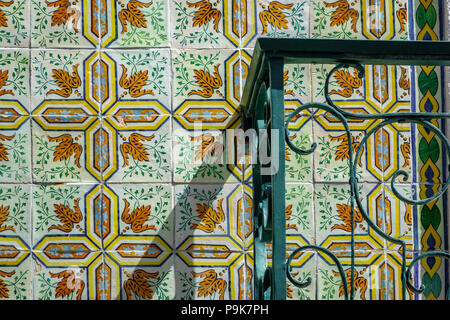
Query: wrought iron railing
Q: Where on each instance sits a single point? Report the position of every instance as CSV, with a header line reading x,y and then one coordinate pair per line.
x,y
263,109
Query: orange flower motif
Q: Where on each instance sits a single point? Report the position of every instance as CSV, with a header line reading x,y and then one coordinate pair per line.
x,y
4,213
64,12
404,80
210,284
288,216
274,16
205,13
3,151
360,282
343,13
66,82
3,79
402,16
285,79
135,148
66,148
405,148
137,218
3,22
343,149
67,216
343,211
207,82
134,83
346,82
69,283
209,217
4,292
133,15
208,148
139,284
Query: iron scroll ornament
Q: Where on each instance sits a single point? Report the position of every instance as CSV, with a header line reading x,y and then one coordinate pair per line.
x,y
387,118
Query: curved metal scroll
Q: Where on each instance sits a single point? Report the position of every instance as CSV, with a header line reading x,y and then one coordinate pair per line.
x,y
387,119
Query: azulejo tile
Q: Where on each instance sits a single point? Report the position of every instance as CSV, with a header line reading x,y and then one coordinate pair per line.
x,y
15,147
211,277
72,280
203,79
135,82
14,25
15,213
16,280
133,24
200,156
65,82
327,22
138,211
64,24
15,87
205,24
208,215
68,211
276,19
137,149
66,149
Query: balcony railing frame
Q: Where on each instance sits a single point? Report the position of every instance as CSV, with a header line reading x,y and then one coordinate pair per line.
x,y
262,107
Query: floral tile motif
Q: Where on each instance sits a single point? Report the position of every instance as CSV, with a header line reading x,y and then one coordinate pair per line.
x,y
15,157
209,215
15,217
61,210
138,210
64,23
16,280
14,24
207,277
134,23
135,83
276,19
136,151
65,83
205,23
14,82
201,156
206,79
65,149
73,281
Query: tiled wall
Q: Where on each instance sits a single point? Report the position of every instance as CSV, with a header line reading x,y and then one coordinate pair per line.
x,y
110,191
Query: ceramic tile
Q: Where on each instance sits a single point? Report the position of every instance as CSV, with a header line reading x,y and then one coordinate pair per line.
x,y
16,279
135,24
200,155
15,27
136,82
273,19
194,277
207,215
15,150
328,22
72,280
202,80
64,24
62,210
137,149
15,213
204,24
134,211
65,149
14,85
65,82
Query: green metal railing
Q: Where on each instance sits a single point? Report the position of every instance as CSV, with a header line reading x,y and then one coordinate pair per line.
x,y
262,106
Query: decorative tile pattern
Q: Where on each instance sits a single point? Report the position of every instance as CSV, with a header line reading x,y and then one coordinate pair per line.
x,y
117,176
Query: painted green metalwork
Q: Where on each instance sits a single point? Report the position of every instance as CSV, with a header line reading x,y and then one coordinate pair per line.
x,y
262,106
